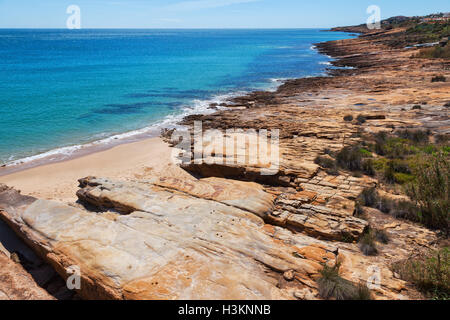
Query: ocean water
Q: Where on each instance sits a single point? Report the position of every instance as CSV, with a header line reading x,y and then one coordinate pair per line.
x,y
61,89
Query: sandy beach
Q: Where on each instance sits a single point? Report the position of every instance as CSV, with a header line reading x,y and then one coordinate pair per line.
x,y
58,181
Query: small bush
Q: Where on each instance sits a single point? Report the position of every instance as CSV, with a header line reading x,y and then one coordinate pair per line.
x,y
367,243
368,197
403,178
438,79
361,119
333,286
417,107
431,191
397,171
447,105
325,162
382,236
437,52
386,205
389,173
430,273
417,136
403,209
362,292
351,158
441,138
328,163
391,146
365,152
348,118
367,167
400,209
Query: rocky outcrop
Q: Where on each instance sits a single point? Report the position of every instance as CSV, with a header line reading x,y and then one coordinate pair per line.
x,y
17,284
168,239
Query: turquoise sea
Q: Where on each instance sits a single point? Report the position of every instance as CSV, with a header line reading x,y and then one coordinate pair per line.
x,y
61,89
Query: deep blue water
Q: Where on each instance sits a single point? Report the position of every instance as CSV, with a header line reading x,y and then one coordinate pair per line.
x,y
63,88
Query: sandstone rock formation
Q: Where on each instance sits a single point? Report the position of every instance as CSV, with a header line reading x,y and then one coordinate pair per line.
x,y
166,239
17,284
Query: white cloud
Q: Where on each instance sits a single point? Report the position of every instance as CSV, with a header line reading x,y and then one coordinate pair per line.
x,y
206,4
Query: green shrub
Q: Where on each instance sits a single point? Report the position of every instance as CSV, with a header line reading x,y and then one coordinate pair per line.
x,y
367,167
348,118
328,163
392,147
351,158
430,273
417,136
431,191
367,243
333,286
365,152
325,162
442,138
397,171
380,164
362,293
417,107
403,178
369,197
438,79
389,173
361,119
382,236
403,209
430,149
400,209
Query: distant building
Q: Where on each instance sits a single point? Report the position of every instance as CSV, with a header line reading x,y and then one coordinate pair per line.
x,y
436,19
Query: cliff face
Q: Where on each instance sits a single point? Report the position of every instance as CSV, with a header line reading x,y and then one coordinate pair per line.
x,y
232,233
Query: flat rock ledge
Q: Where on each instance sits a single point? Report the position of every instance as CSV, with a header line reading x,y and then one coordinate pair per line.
x,y
166,238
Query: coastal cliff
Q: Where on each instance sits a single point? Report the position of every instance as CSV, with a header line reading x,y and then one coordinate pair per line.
x,y
227,233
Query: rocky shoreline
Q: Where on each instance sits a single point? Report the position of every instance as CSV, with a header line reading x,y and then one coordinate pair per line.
x,y
227,232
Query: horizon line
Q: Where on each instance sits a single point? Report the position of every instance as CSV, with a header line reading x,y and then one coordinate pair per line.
x,y
175,28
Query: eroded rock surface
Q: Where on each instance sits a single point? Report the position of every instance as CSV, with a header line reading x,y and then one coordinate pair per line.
x,y
161,239
17,284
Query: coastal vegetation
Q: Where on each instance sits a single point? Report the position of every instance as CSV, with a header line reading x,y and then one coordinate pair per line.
x,y
367,243
333,286
436,52
438,79
429,272
348,118
428,32
406,160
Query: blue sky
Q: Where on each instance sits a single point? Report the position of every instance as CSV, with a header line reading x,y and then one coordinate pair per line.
x,y
206,13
